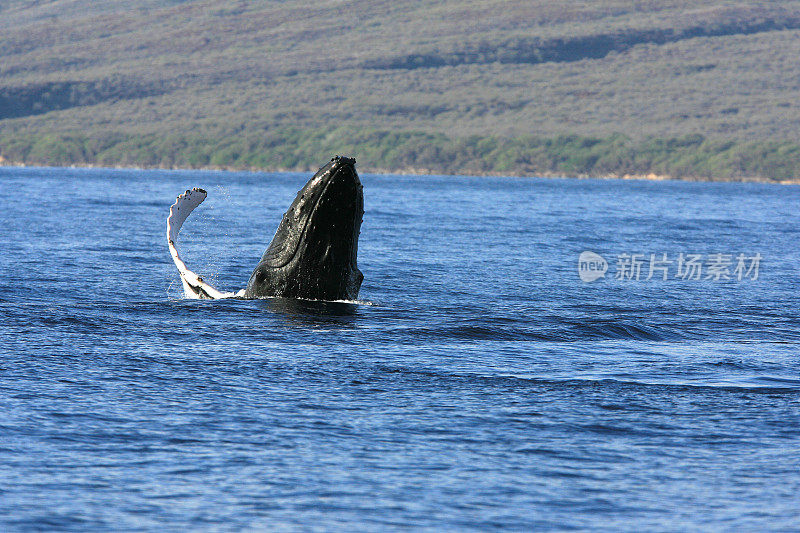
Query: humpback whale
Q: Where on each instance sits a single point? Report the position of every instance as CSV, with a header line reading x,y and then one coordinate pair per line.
x,y
313,255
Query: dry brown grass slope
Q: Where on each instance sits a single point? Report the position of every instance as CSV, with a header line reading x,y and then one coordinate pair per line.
x,y
726,70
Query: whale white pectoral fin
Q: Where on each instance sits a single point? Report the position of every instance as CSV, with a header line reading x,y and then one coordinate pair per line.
x,y
193,285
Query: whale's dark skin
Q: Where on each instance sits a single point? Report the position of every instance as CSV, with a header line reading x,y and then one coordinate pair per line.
x,y
313,253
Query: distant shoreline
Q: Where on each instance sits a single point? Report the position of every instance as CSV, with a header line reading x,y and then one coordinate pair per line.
x,y
609,176
412,171
688,158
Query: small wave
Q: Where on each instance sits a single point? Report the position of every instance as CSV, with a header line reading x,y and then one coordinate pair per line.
x,y
559,332
625,330
76,322
785,381
772,386
740,364
125,202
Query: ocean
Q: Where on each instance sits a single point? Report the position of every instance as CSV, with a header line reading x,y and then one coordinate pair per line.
x,y
525,354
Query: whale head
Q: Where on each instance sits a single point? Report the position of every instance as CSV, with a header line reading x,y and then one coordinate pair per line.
x,y
313,254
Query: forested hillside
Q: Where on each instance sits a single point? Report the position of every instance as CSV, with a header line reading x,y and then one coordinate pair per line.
x,y
705,89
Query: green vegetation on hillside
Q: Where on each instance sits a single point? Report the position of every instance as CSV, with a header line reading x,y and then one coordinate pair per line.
x,y
685,88
691,156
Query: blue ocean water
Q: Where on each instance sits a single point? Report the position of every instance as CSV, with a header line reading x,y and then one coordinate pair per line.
x,y
478,384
